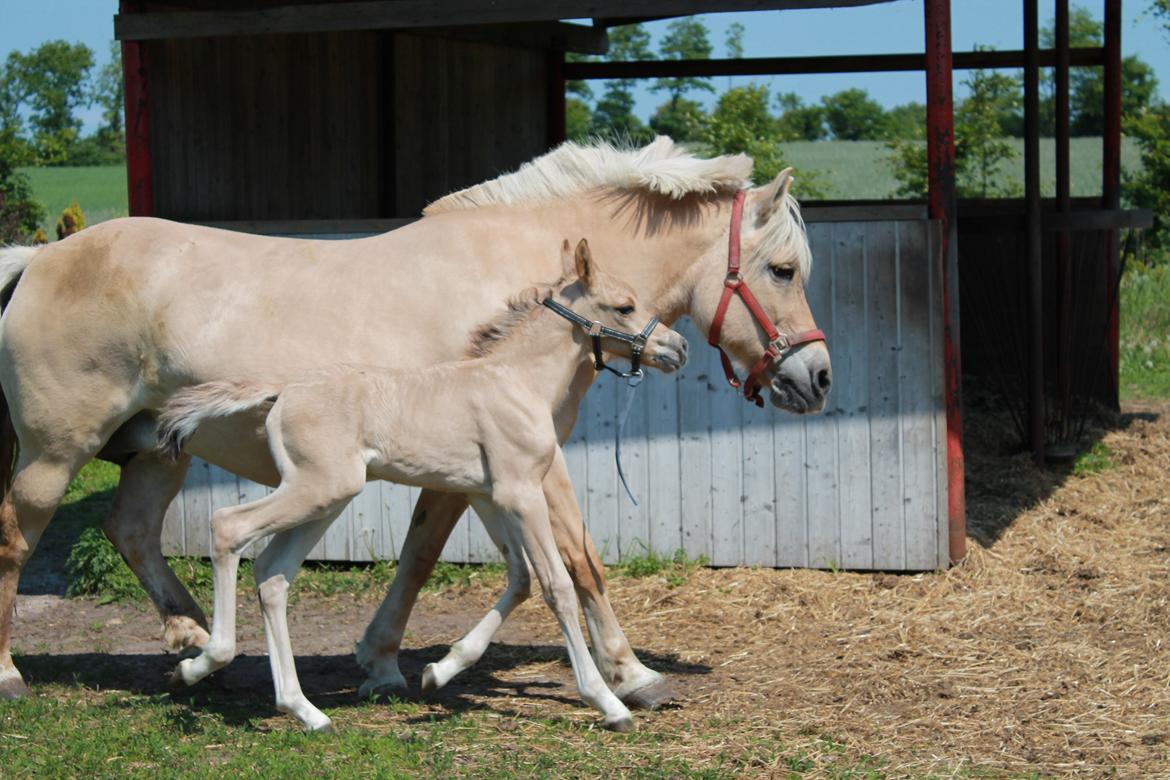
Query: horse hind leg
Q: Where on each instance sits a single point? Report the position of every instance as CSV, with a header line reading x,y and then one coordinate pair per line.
x,y
134,526
471,647
37,487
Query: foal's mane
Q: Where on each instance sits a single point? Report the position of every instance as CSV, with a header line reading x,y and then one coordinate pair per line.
x,y
491,334
661,167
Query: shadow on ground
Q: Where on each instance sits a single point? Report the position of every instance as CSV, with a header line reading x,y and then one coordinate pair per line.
x,y
243,691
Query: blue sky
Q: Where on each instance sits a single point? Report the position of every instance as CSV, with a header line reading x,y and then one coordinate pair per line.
x,y
890,27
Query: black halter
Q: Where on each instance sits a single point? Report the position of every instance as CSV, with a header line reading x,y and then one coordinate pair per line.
x,y
596,331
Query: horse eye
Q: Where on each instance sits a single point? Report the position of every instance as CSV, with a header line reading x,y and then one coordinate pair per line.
x,y
782,273
625,311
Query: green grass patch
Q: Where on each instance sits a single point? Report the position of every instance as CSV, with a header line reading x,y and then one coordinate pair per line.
x,y
1145,331
99,190
675,569
1096,460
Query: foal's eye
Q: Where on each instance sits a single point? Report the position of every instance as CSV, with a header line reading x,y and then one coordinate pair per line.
x,y
625,311
782,273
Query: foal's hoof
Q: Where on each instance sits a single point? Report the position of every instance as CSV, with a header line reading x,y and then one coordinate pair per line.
x,y
650,697
325,728
622,725
181,632
430,681
175,679
12,687
393,687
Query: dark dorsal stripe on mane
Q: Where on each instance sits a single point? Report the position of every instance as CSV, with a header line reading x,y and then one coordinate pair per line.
x,y
488,336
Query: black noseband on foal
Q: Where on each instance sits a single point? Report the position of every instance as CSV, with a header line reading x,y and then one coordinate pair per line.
x,y
596,331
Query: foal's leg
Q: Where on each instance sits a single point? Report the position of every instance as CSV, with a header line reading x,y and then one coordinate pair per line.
x,y
435,515
134,525
527,507
275,570
300,499
468,650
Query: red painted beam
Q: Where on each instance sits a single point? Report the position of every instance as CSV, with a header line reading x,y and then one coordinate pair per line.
x,y
940,147
139,168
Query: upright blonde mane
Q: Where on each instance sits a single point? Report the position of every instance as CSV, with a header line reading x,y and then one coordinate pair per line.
x,y
661,167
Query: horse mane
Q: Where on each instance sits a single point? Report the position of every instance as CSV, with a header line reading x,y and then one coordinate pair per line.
x,y
491,334
661,167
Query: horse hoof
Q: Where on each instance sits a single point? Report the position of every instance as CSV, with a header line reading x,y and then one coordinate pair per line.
x,y
181,632
622,725
323,728
377,689
650,697
175,679
430,683
13,687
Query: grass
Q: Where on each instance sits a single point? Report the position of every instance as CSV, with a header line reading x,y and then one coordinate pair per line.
x,y
99,190
1096,460
1145,331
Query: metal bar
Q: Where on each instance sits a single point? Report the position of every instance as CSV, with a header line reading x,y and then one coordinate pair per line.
x,y
1111,169
1063,204
1036,409
139,167
940,146
778,66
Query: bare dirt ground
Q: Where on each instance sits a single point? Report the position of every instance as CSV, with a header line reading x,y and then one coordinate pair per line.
x,y
1045,651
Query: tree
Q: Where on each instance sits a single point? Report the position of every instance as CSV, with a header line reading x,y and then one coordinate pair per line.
x,y
107,146
52,81
685,39
1150,187
682,120
20,214
578,120
613,117
852,115
799,122
734,41
906,120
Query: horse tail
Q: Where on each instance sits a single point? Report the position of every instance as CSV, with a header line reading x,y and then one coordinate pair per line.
x,y
187,409
13,261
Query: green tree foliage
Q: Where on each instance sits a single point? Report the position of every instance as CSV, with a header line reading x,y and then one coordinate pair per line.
x,y
613,117
906,121
52,81
107,146
686,39
681,119
980,148
19,212
852,115
578,120
733,42
798,121
1151,187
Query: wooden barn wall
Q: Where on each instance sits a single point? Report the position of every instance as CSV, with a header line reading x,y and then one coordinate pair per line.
x,y
466,112
267,127
860,486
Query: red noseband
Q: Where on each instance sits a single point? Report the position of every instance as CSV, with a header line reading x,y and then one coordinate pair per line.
x,y
779,344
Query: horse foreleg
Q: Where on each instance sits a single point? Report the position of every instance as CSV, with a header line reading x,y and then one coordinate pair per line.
x,y
634,683
134,525
435,515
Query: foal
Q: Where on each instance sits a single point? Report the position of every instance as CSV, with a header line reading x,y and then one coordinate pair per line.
x,y
332,431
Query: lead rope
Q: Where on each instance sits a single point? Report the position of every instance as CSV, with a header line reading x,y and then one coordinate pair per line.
x,y
631,388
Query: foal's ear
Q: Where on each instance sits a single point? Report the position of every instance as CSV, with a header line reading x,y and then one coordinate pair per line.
x,y
583,260
772,195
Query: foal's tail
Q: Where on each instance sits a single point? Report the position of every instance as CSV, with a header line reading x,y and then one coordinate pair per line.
x,y
13,261
187,409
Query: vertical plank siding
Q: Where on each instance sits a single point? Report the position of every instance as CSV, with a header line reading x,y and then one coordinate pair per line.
x,y
860,486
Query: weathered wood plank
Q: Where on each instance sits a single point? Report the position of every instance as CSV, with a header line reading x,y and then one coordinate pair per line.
x,y
885,346
849,398
197,509
662,493
694,386
603,486
634,520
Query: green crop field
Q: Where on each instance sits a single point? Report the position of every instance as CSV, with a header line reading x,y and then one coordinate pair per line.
x,y
100,191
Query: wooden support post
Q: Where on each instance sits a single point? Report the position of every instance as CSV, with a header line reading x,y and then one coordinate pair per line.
x,y
1036,407
135,75
940,145
556,98
1063,204
1111,176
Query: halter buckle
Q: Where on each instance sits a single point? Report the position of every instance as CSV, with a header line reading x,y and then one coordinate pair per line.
x,y
781,344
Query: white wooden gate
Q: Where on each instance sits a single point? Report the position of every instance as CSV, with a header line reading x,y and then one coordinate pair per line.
x,y
860,486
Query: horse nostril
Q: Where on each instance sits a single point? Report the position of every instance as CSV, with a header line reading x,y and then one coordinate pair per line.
x,y
824,380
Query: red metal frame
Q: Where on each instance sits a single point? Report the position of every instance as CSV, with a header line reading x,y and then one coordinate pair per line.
x,y
940,145
139,168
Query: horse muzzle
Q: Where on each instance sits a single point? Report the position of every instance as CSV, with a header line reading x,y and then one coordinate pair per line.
x,y
801,383
669,352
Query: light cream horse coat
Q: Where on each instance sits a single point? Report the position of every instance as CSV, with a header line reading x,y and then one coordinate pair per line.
x,y
103,327
481,427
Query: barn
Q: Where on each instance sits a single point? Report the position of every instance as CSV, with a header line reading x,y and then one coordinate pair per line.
x,y
342,119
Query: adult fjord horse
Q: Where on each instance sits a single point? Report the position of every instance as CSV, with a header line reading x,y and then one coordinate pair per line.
x,y
101,328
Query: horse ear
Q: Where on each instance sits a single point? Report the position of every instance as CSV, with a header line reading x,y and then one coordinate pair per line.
x,y
583,260
568,265
772,195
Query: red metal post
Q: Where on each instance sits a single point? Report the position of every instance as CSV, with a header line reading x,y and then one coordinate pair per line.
x,y
1063,204
1037,413
1111,171
139,169
940,145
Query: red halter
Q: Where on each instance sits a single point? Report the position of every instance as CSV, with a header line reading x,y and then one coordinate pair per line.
x,y
779,344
